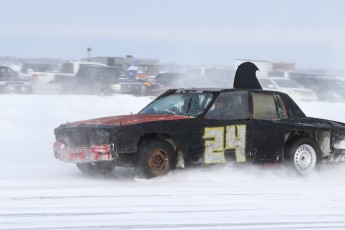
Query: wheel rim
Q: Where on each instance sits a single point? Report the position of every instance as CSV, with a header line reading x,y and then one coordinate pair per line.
x,y
158,162
305,158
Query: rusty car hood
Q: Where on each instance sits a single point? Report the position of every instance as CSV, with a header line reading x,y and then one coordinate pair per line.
x,y
128,119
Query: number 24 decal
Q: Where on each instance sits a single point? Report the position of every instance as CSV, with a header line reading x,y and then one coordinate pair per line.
x,y
219,139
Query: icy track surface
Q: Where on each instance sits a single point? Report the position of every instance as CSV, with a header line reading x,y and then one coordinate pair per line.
x,y
39,192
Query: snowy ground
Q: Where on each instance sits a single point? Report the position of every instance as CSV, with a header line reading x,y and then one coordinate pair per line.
x,y
39,192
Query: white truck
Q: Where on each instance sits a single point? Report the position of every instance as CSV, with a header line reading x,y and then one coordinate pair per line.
x,y
50,82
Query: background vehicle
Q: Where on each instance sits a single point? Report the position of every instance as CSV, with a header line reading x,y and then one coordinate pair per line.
x,y
11,83
326,88
157,84
28,68
146,66
67,70
51,82
102,80
293,89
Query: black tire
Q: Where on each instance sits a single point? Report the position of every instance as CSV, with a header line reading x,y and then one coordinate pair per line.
x,y
97,168
155,158
304,154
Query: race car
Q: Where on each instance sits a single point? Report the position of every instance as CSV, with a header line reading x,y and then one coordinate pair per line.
x,y
185,127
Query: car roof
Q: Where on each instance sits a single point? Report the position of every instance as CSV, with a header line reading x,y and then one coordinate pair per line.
x,y
218,90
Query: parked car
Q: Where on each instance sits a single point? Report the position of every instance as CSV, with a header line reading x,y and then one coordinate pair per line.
x,y
197,77
51,74
327,88
103,80
11,83
292,88
157,84
48,80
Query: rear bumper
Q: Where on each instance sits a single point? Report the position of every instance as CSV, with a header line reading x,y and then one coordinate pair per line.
x,y
82,155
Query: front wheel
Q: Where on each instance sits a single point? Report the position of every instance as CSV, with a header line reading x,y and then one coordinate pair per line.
x,y
96,168
155,158
304,154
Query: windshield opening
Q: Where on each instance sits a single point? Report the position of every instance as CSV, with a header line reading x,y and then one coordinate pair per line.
x,y
180,103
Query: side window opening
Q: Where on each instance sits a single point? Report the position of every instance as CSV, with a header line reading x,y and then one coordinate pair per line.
x,y
229,106
281,111
264,107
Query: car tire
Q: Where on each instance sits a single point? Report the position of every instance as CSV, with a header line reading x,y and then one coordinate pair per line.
x,y
155,158
97,168
304,154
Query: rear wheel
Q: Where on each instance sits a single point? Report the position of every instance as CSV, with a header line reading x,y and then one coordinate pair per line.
x,y
155,158
304,154
96,168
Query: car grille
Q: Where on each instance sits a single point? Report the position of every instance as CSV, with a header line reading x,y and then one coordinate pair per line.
x,y
84,139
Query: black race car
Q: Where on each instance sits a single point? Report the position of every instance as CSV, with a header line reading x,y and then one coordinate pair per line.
x,y
184,127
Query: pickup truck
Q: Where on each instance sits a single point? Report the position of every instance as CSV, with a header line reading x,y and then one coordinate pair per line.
x,y
51,82
102,80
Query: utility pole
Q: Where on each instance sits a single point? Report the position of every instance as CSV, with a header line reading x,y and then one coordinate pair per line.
x,y
88,53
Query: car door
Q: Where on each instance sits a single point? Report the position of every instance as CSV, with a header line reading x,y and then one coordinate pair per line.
x,y
269,118
226,132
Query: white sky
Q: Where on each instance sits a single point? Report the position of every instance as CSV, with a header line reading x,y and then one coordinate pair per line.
x,y
310,33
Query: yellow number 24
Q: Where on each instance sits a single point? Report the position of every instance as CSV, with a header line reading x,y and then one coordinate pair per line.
x,y
219,139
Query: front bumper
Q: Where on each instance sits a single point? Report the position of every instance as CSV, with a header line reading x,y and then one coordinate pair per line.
x,y
94,153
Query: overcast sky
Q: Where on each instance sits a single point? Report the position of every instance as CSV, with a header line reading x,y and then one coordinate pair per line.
x,y
310,33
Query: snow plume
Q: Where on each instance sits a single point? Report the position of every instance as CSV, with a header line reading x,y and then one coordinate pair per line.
x,y
340,145
34,184
204,77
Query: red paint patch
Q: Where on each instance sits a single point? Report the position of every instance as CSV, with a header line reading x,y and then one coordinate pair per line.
x,y
129,119
82,155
